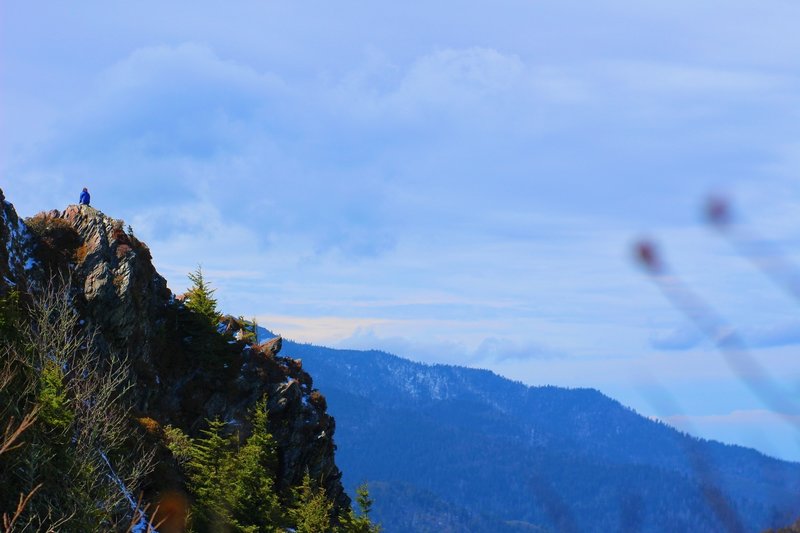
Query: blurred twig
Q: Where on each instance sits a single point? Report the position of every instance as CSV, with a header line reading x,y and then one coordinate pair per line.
x,y
10,521
700,465
11,434
711,324
140,514
767,255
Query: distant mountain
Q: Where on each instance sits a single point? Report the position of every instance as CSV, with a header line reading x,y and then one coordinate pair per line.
x,y
447,448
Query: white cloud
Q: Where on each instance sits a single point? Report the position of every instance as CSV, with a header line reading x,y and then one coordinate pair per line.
x,y
763,336
682,338
489,350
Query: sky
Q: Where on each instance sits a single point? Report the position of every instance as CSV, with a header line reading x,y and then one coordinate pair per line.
x,y
453,182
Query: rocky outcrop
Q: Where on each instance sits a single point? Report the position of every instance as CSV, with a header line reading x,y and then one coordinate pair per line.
x,y
16,251
117,290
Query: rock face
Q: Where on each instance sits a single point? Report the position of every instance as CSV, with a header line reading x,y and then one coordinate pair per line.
x,y
16,250
117,290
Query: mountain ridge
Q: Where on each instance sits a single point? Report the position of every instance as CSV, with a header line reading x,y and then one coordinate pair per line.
x,y
448,448
576,446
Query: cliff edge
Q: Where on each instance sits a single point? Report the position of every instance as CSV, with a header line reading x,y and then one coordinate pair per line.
x,y
176,380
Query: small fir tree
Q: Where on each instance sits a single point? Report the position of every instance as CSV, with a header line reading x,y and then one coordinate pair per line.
x,y
233,487
311,512
199,320
200,297
256,505
360,523
210,475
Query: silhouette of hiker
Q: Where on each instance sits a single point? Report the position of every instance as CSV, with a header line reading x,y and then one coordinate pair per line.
x,y
85,197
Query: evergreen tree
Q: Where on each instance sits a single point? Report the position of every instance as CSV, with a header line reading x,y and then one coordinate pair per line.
x,y
9,316
200,297
311,511
360,523
199,319
256,505
233,487
211,475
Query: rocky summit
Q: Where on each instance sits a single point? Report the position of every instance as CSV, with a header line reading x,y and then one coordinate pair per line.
x,y
118,294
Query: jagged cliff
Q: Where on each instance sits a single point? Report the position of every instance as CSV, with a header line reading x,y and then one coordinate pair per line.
x,y
116,289
15,254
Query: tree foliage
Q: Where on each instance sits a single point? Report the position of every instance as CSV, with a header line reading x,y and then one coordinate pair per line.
x,y
311,511
70,462
233,484
69,447
200,297
360,523
9,316
195,325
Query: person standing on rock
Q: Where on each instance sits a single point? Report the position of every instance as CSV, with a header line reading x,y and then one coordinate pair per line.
x,y
85,197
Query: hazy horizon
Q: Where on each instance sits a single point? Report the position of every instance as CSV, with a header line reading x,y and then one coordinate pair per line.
x,y
455,183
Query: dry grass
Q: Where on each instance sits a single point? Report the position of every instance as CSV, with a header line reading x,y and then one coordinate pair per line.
x,y
151,426
81,253
318,400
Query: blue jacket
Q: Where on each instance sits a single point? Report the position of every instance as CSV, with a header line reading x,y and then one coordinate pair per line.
x,y
84,198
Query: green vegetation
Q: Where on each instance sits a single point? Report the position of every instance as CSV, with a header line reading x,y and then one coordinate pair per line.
x,y
200,297
360,523
191,330
234,485
66,423
70,458
9,316
311,510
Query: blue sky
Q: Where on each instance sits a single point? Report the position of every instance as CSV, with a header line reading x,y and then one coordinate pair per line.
x,y
455,182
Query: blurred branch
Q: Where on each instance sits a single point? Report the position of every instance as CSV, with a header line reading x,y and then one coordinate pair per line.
x,y
711,324
8,522
773,262
700,465
11,434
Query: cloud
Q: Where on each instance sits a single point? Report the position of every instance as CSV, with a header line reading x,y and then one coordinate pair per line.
x,y
498,349
354,158
181,100
489,350
682,338
765,336
318,330
784,334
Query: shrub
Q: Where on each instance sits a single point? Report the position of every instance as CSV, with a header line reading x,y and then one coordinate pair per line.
x,y
318,400
57,240
78,447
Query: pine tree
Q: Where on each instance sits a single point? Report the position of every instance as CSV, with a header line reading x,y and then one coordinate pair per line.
x,y
233,487
200,297
311,510
199,319
360,523
256,505
9,316
211,475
